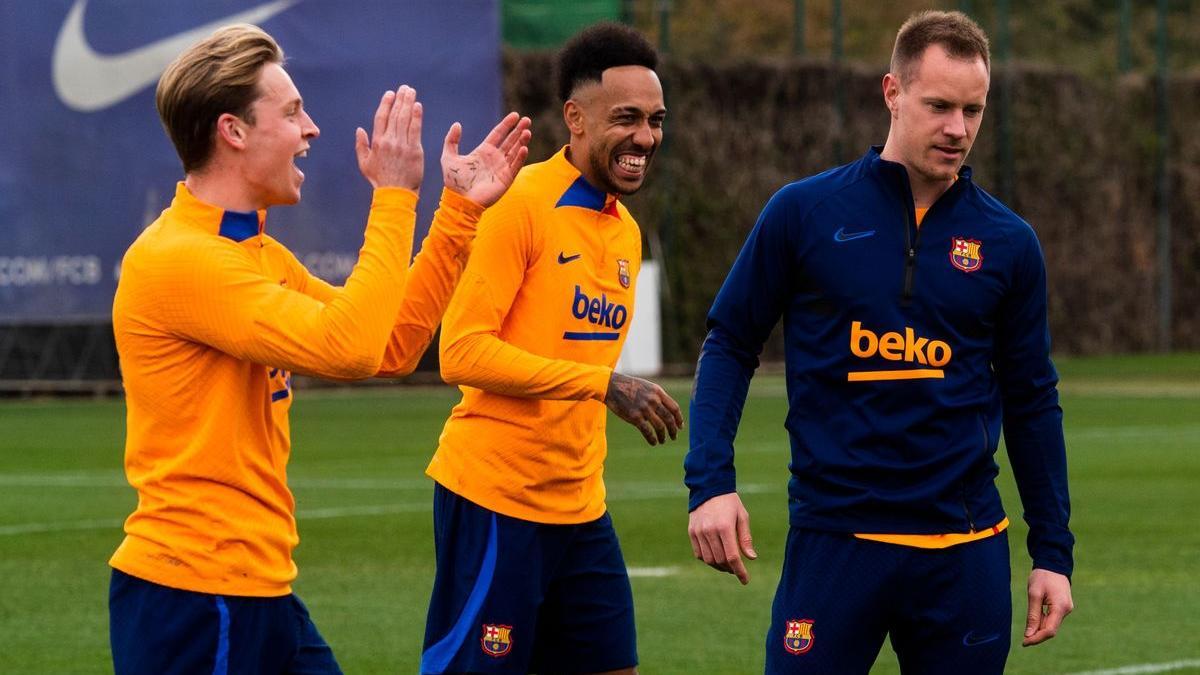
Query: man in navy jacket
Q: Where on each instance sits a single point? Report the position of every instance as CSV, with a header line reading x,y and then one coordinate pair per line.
x,y
914,310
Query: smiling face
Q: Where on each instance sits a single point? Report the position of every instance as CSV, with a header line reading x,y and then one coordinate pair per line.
x,y
281,133
616,127
936,114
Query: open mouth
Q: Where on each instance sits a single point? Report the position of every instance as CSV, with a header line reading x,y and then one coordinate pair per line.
x,y
299,155
630,166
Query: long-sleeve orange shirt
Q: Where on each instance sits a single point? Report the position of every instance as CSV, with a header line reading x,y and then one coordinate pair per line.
x,y
211,316
532,335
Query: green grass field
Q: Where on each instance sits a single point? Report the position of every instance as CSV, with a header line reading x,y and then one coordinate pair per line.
x,y
366,555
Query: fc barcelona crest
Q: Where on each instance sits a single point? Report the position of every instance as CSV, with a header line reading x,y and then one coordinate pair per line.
x,y
798,636
965,254
623,272
496,640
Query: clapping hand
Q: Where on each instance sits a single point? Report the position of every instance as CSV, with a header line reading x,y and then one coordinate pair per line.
x,y
392,156
487,171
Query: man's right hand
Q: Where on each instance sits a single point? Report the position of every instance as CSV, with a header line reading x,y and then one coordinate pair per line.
x,y
392,156
644,405
720,533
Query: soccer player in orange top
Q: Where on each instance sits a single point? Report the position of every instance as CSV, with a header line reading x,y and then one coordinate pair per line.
x,y
212,315
529,572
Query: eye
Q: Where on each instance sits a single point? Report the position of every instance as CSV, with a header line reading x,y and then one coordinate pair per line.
x,y
657,121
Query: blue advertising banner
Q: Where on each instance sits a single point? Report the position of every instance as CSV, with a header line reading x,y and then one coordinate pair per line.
x,y
85,164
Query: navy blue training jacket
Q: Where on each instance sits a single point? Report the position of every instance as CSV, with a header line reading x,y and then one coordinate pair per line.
x,y
906,349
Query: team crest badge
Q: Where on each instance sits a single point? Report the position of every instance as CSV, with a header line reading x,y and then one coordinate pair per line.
x,y
965,254
798,638
496,640
623,272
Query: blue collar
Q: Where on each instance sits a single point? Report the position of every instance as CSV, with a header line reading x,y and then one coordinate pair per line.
x,y
238,225
582,194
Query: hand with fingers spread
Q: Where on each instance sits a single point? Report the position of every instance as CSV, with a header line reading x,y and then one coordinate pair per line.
x,y
1049,603
484,174
720,533
644,405
392,156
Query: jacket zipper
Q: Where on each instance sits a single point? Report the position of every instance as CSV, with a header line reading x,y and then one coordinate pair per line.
x,y
910,260
967,509
963,486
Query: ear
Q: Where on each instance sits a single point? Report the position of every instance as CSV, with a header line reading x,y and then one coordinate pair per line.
x,y
573,117
231,130
891,92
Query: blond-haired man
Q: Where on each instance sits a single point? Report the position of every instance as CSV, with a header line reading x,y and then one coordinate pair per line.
x,y
212,316
915,313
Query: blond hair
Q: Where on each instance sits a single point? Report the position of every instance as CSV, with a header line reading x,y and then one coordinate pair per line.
x,y
217,75
961,37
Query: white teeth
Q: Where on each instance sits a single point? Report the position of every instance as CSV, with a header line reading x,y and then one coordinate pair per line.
x,y
631,162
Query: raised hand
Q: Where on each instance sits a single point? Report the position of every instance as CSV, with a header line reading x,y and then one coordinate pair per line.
x,y
484,174
392,156
644,405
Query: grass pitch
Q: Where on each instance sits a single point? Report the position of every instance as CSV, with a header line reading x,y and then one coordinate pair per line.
x,y
366,553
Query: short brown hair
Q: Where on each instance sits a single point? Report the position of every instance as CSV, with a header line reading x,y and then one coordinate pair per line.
x,y
217,75
961,37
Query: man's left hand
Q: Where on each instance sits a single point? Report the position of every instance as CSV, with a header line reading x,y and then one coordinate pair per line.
x,y
484,174
1049,603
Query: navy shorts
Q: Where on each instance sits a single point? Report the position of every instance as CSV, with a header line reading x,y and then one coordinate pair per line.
x,y
157,630
946,610
512,596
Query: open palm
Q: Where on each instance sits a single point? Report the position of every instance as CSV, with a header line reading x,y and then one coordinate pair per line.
x,y
487,171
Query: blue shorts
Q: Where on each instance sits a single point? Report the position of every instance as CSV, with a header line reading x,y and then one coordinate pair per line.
x,y
157,630
512,596
946,610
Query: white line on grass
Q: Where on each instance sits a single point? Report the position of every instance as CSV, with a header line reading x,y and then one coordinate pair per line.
x,y
302,514
1155,432
111,479
1146,668
652,572
65,526
625,492
620,490
343,512
108,479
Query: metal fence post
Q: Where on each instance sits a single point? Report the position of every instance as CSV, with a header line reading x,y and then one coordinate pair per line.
x,y
1163,187
1005,140
798,28
839,87
1124,19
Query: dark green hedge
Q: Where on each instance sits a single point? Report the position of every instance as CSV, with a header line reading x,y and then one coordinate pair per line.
x,y
1083,175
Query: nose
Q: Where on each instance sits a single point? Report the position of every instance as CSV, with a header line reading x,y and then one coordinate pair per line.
x,y
643,136
956,125
309,129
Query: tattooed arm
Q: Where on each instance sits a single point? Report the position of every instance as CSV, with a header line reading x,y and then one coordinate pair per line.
x,y
644,405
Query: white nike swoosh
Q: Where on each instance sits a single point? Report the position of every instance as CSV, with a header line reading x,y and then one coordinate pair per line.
x,y
87,81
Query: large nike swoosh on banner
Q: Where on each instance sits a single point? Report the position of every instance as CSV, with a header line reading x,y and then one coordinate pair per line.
x,y
87,81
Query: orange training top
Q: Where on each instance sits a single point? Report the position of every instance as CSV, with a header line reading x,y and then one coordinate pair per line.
x,y
211,316
532,335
